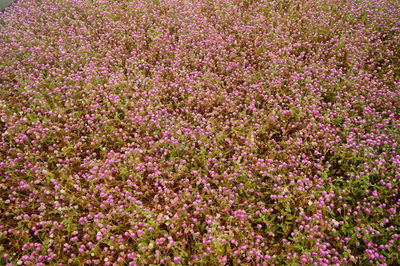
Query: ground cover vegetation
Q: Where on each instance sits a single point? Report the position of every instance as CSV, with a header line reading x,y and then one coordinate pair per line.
x,y
207,132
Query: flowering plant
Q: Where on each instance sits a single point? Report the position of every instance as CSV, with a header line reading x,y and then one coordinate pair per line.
x,y
200,132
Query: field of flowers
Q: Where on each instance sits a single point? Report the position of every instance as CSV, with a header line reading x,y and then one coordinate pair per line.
x,y
212,132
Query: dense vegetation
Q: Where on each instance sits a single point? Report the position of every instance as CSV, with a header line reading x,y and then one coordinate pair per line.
x,y
210,132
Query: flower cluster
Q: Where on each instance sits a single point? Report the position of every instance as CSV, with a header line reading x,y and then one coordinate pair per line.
x,y
254,132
